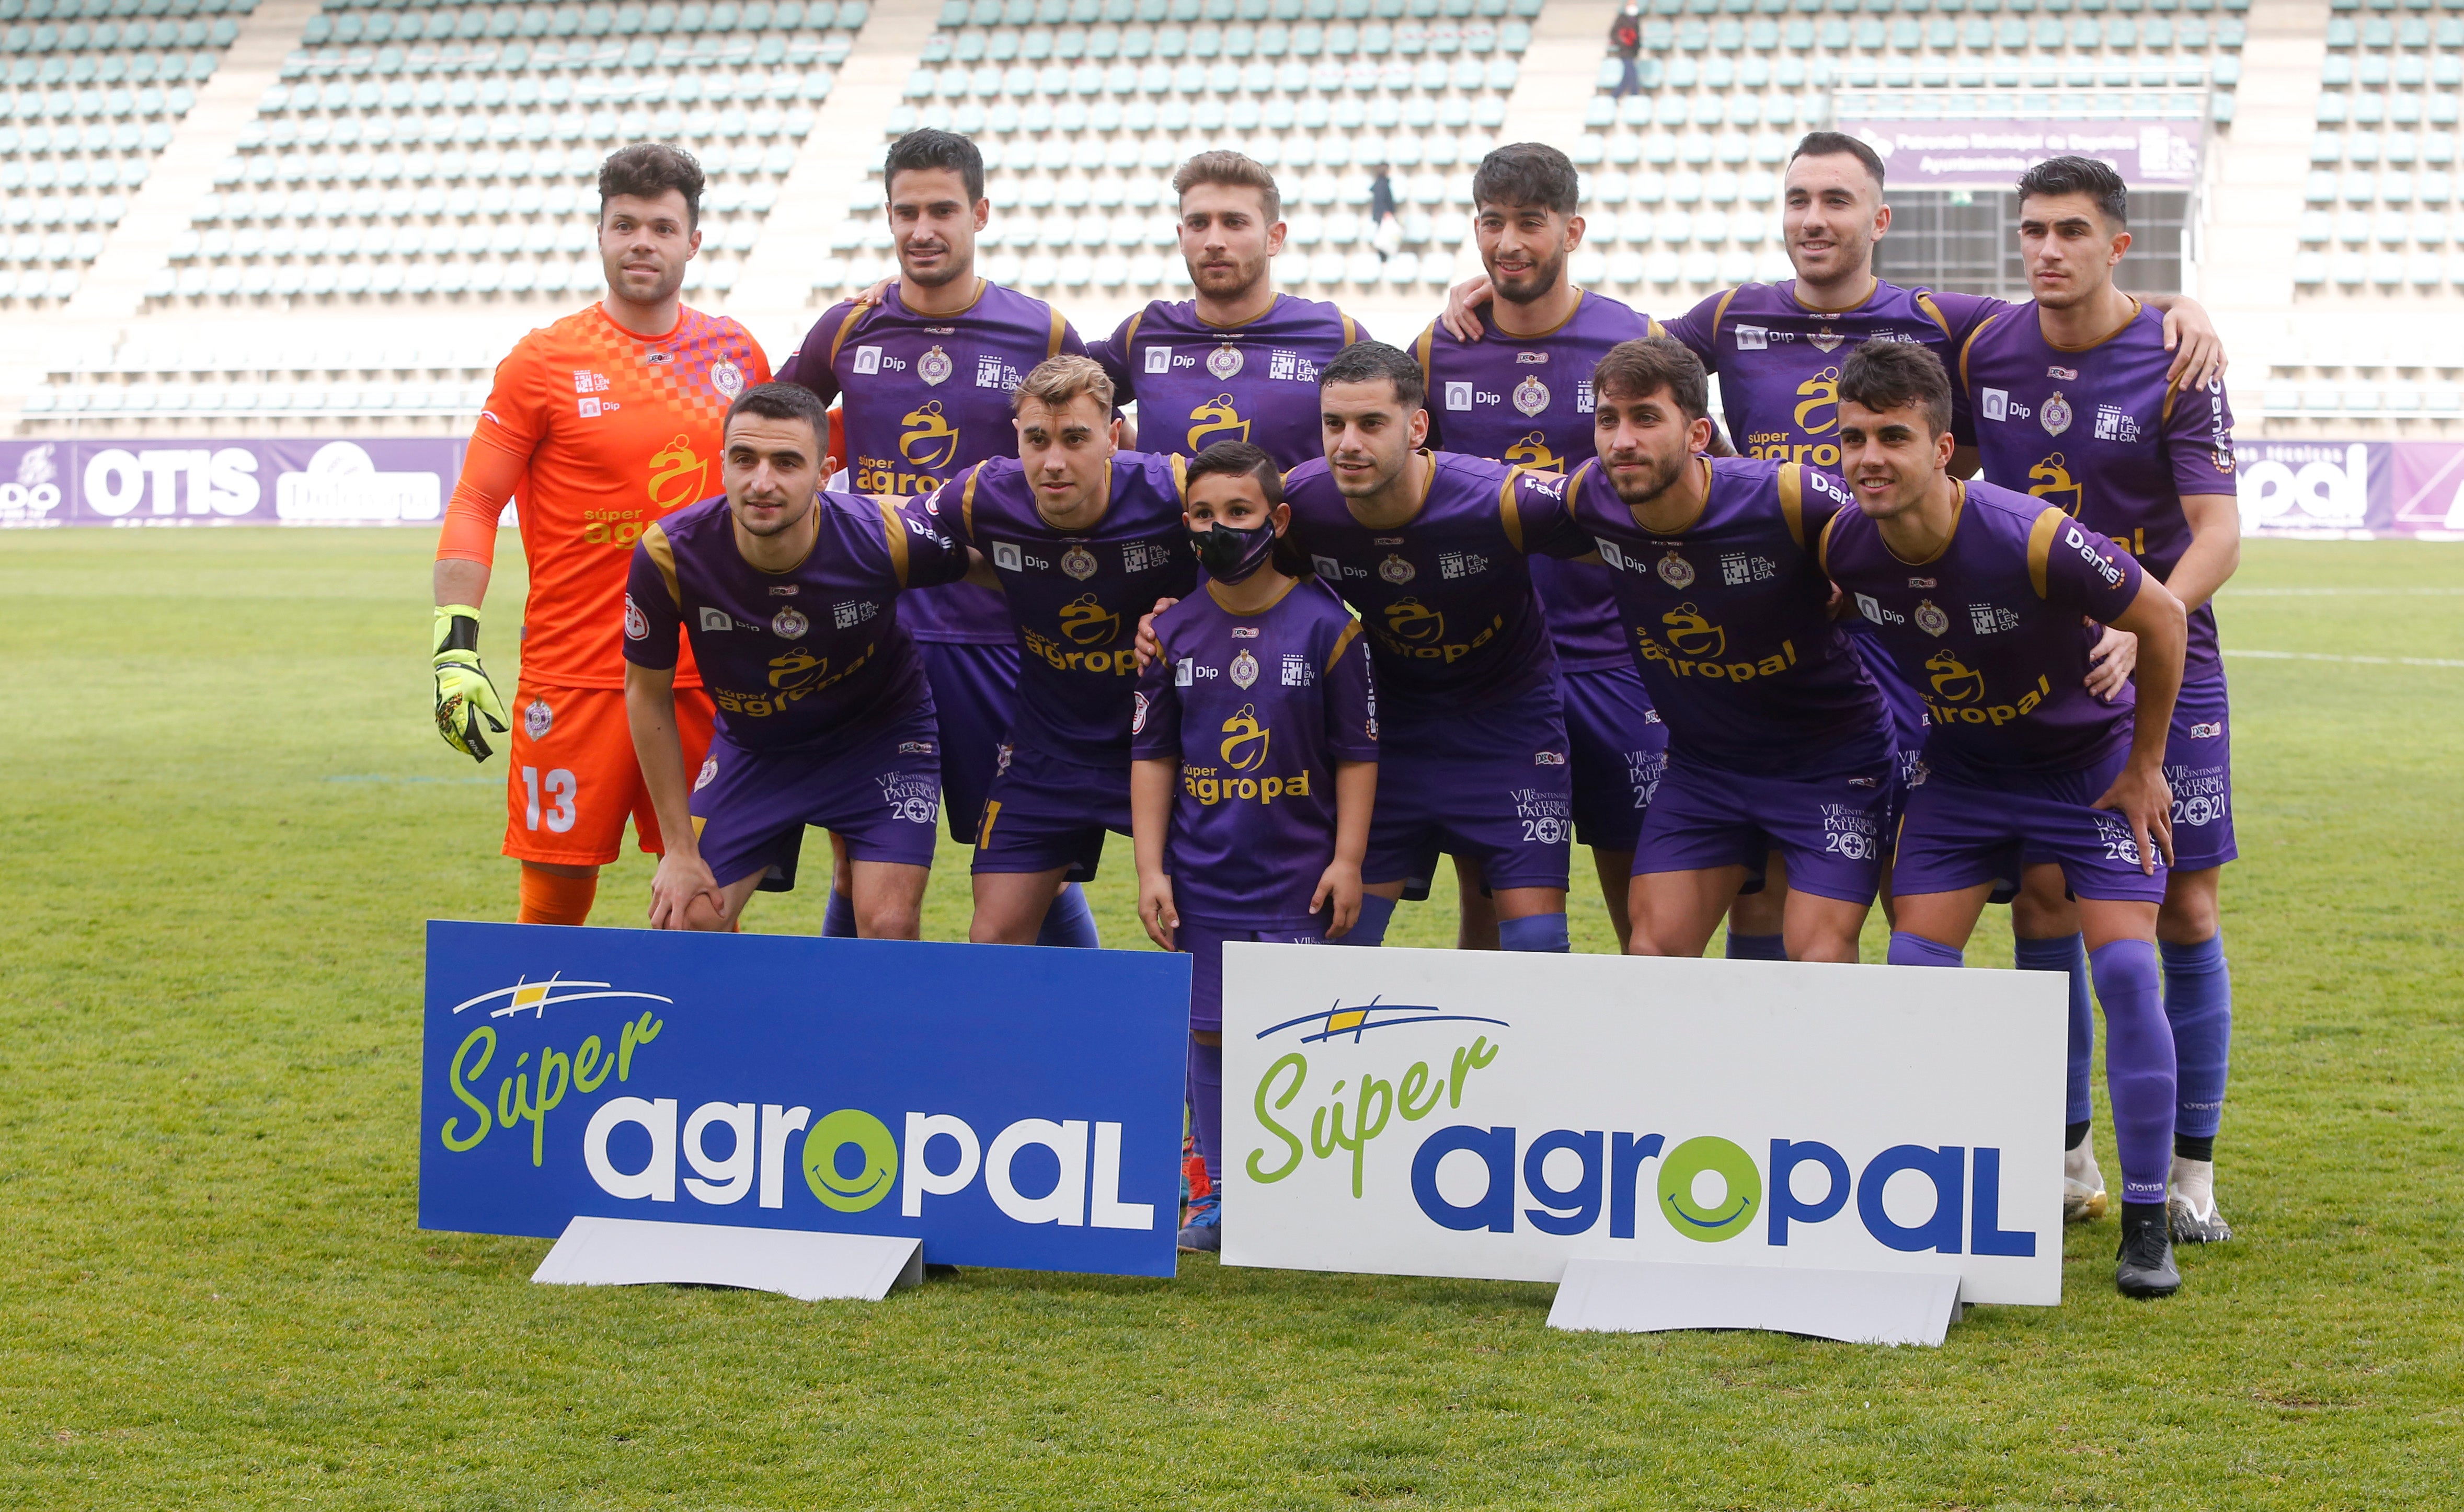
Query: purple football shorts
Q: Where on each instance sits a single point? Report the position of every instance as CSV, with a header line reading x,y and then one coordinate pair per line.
x,y
2198,766
1043,813
973,689
1957,832
1204,940
880,794
1489,783
1830,829
1619,749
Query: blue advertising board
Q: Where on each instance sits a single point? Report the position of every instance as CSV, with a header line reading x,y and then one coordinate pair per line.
x,y
1009,1106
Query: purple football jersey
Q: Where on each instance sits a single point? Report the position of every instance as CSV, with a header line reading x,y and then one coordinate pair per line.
x,y
927,397
1729,620
1198,383
1076,599
1994,631
811,657
1258,709
1778,358
1446,595
2101,431
1527,399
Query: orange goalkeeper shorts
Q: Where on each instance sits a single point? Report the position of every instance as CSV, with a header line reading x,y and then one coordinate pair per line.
x,y
574,781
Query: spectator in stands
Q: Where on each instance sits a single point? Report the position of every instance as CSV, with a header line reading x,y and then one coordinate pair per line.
x,y
1385,232
1625,41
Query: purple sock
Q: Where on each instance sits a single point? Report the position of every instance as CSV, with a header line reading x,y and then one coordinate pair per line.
x,y
2139,1076
1370,928
1756,947
2068,953
1915,949
838,918
1070,923
1206,1107
2198,1000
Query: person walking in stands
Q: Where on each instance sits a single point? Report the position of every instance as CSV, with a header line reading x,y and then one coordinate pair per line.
x,y
1625,41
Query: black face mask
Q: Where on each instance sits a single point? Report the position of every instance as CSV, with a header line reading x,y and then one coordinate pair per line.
x,y
1231,556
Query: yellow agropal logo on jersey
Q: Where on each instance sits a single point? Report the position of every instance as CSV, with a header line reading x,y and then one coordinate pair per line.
x,y
929,440
1219,419
1532,452
1957,695
794,675
1954,680
1695,646
2051,480
1245,742
678,476
1820,392
1692,634
1087,622
1412,629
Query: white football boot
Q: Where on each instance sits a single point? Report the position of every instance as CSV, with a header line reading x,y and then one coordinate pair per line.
x,y
2083,1198
2191,1203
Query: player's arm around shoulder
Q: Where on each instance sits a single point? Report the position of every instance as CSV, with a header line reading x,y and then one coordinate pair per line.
x,y
1154,776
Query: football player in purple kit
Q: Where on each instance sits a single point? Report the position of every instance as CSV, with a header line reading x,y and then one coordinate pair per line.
x,y
1524,396
2073,405
1238,362
925,374
1084,538
1777,741
1991,602
790,596
1255,747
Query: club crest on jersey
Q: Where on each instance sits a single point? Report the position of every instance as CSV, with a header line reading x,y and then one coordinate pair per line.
x,y
537,717
1225,361
1244,669
934,366
1078,562
1930,619
2056,413
1676,571
2068,375
1395,570
727,378
790,624
1138,714
1532,395
1827,339
637,626
709,771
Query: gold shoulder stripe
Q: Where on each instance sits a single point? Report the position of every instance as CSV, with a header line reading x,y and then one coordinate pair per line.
x,y
1130,336
1822,547
1420,350
1509,517
1925,302
1350,329
2040,546
847,328
1180,477
1719,313
894,535
2164,416
967,499
1652,327
1969,345
1792,499
1052,345
1343,640
663,556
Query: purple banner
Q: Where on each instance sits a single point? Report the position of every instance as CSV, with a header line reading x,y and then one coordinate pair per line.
x,y
178,481
1992,154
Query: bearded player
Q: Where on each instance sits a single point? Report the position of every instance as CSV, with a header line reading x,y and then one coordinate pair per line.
x,y
602,424
1522,395
1991,602
2072,405
1238,362
923,377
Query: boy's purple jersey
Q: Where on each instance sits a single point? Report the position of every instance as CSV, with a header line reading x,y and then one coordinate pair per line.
x,y
1075,600
925,398
807,657
1778,357
1198,383
1446,595
1993,630
1527,399
2101,432
1729,620
1258,709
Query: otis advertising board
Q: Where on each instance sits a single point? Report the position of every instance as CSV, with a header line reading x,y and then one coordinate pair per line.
x,y
1010,1106
1479,1114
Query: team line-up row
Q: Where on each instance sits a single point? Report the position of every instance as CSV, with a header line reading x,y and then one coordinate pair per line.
x,y
1747,683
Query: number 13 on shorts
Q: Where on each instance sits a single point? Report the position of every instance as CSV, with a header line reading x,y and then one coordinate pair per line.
x,y
559,788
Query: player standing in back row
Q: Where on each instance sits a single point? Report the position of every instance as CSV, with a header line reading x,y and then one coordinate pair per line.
x,y
925,376
2073,406
602,424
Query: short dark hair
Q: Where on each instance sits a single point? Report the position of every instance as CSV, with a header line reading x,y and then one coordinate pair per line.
x,y
1368,362
1236,459
1234,171
1527,173
783,402
1893,375
928,149
1833,143
2074,175
1649,364
648,170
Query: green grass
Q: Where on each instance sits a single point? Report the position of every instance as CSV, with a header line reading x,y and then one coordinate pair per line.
x,y
227,814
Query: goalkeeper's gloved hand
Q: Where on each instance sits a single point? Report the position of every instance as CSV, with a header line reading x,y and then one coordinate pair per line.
x,y
463,693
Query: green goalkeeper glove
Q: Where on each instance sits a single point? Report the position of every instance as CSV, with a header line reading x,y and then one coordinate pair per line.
x,y
463,693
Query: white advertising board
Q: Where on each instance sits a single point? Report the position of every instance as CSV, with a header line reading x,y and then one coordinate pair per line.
x,y
1484,1114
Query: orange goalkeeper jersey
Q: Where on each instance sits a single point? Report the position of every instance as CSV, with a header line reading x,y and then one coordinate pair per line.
x,y
600,432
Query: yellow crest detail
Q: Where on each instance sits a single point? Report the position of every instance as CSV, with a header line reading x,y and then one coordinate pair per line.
x,y
1532,452
1219,419
1821,391
2051,480
1244,740
1694,635
926,428
1954,681
677,475
1087,622
1411,620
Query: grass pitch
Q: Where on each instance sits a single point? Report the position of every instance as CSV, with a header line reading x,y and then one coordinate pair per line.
x,y
227,814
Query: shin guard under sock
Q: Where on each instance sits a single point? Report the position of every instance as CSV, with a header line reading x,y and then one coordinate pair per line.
x,y
1538,931
1206,1107
838,917
2068,953
2198,1003
548,897
1915,949
1370,928
1757,947
2138,1067
1069,922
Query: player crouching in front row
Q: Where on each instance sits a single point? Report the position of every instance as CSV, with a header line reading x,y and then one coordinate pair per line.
x,y
1255,747
790,596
